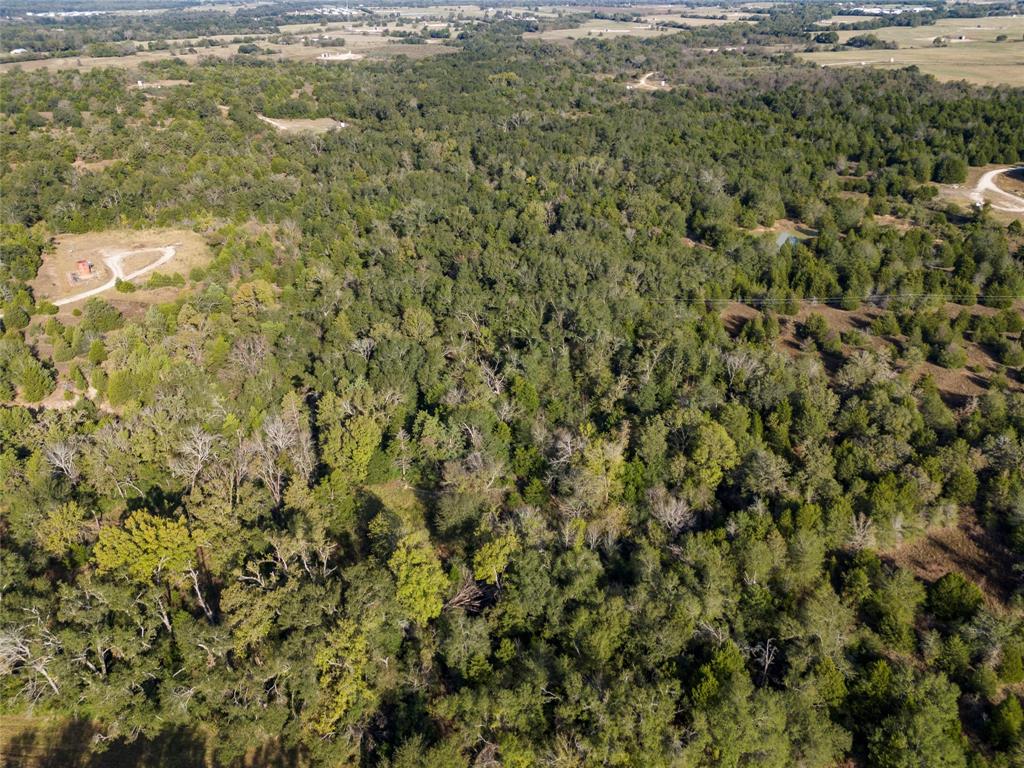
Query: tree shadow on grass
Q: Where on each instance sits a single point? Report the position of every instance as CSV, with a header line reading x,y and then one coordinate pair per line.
x,y
71,744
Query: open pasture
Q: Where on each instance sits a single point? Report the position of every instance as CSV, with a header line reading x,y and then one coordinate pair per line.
x,y
971,52
972,30
369,42
598,28
980,63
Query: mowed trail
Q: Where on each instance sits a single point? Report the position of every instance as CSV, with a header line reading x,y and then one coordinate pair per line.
x,y
115,262
1007,202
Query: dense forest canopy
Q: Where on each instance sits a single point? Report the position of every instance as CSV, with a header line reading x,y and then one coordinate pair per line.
x,y
499,428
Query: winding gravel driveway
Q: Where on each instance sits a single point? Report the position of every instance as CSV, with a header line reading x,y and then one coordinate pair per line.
x,y
115,263
1000,199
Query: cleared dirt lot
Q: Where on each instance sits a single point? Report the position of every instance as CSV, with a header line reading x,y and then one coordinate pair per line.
x,y
652,81
135,253
310,125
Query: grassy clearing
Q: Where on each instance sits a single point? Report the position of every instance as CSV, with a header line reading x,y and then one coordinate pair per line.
x,y
598,28
981,63
973,30
965,547
54,280
972,53
365,43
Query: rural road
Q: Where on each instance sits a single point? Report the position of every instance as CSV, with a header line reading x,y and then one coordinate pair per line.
x,y
645,84
115,263
1008,202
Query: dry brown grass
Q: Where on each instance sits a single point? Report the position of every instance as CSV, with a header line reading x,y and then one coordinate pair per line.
x,y
53,282
1012,182
967,548
982,62
597,28
92,165
956,385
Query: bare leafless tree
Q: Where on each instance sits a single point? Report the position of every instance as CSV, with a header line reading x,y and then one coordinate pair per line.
x,y
193,576
495,381
63,457
862,533
267,467
403,459
739,363
29,650
468,595
364,346
194,453
249,352
670,510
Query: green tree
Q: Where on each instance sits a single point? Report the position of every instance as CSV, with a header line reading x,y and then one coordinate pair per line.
x,y
421,582
493,557
954,598
61,529
950,169
146,547
1007,722
35,381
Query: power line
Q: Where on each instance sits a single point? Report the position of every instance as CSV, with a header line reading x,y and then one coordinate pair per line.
x,y
761,301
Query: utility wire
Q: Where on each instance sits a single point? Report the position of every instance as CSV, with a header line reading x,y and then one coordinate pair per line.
x,y
830,299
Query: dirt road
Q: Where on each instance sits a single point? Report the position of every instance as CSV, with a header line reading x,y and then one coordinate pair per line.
x,y
998,198
645,84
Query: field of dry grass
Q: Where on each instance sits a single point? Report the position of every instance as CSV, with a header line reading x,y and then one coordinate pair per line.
x,y
597,28
973,30
965,547
977,58
368,44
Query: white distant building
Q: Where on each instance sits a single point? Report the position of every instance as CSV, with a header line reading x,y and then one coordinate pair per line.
x,y
889,11
347,56
327,11
65,14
